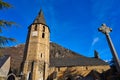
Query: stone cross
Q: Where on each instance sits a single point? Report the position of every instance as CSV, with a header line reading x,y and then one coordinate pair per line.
x,y
106,30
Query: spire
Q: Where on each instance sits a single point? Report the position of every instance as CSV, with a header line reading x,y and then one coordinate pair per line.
x,y
40,18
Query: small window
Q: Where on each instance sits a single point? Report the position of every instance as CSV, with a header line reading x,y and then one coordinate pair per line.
x,y
41,55
58,68
43,28
43,35
35,28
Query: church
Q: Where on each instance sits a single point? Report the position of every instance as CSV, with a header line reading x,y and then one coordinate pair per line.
x,y
38,64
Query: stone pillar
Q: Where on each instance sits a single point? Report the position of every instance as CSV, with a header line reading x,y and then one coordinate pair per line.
x,y
106,30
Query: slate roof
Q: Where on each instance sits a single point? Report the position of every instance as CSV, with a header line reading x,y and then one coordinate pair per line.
x,y
3,59
76,61
40,18
67,57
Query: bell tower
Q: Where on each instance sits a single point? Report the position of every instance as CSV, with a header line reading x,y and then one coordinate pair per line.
x,y
36,54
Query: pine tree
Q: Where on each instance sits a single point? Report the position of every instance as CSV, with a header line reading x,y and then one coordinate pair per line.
x,y
4,24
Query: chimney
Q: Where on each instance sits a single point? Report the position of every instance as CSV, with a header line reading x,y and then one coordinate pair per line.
x,y
96,54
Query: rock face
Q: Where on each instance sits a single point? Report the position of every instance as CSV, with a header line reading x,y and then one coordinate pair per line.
x,y
57,51
16,53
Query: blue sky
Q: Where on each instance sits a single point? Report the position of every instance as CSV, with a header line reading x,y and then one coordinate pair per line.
x,y
74,23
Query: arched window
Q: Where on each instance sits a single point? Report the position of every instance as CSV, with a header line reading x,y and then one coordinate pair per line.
x,y
35,28
43,35
68,78
11,77
43,28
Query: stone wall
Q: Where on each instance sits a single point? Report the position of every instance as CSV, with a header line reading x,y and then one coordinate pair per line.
x,y
61,72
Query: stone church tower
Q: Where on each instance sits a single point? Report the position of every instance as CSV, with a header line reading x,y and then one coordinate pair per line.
x,y
36,55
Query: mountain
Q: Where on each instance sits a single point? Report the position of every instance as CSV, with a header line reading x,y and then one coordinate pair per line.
x,y
16,53
58,55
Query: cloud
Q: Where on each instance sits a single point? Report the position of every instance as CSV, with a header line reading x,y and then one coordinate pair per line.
x,y
95,40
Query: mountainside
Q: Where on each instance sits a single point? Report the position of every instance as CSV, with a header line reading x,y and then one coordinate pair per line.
x,y
16,53
59,57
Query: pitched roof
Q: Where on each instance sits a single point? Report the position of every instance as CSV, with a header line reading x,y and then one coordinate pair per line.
x,y
3,60
76,61
40,18
61,57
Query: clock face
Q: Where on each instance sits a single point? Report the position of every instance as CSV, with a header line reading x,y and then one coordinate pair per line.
x,y
34,33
